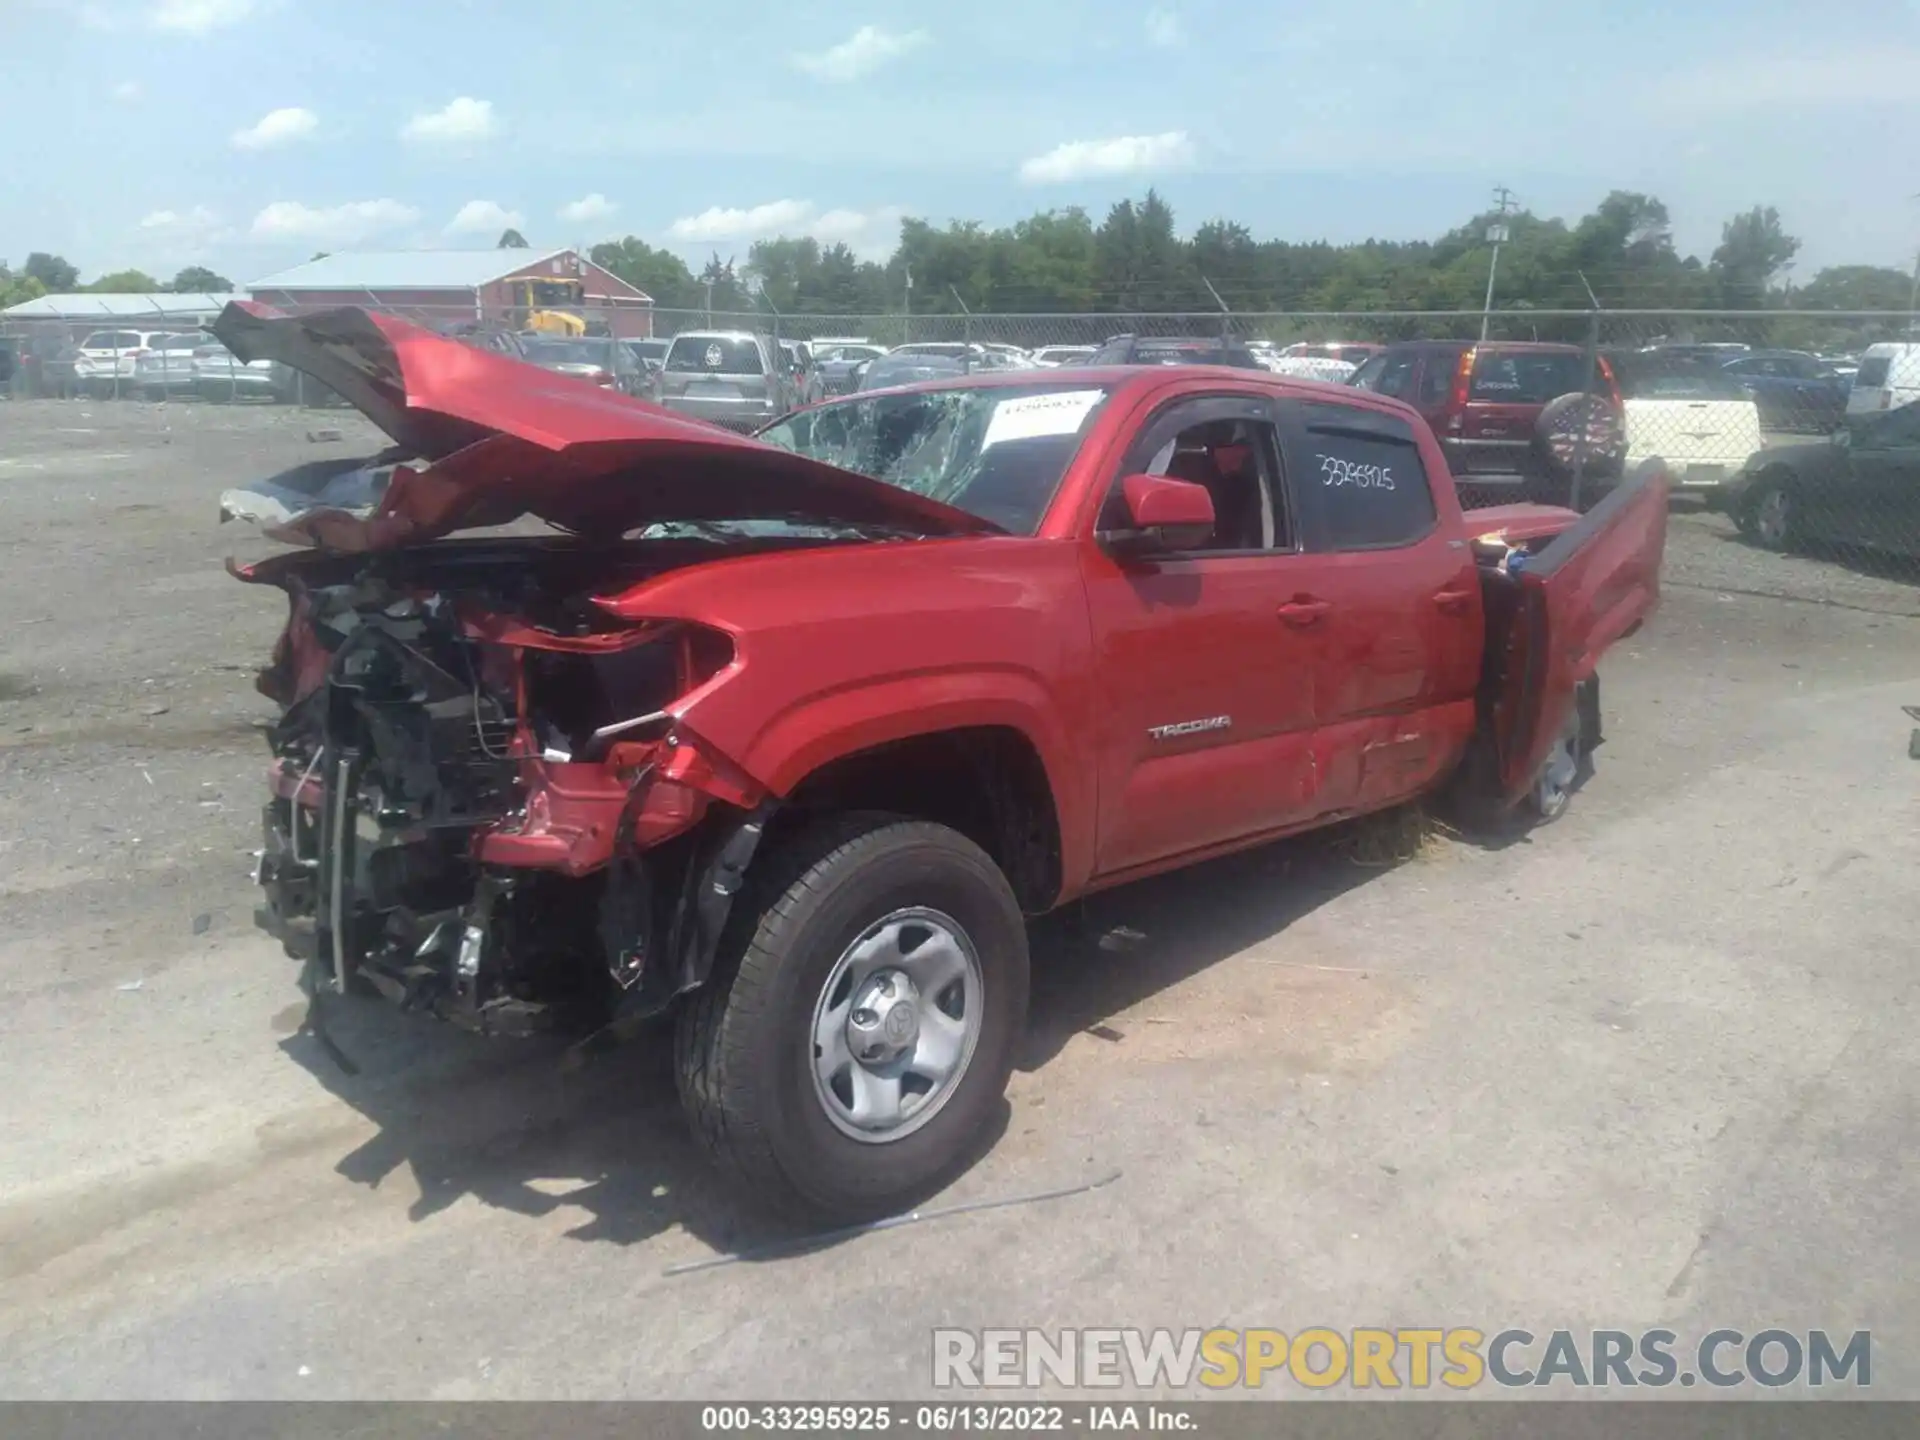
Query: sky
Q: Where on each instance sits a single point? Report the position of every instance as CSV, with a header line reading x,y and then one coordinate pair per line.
x,y
246,134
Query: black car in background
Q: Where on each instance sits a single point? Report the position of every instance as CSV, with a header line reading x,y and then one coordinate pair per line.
x,y
1860,486
1174,350
1794,391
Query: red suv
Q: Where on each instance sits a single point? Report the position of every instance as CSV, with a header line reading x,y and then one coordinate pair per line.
x,y
1509,413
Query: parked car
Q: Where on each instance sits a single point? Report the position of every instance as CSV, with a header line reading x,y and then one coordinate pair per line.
x,y
598,360
1350,352
770,740
651,353
498,339
1706,352
1794,391
1690,414
1889,377
1510,414
1859,486
730,377
1052,357
943,349
221,376
46,359
1008,357
1175,350
803,376
839,365
1314,367
107,359
895,368
165,368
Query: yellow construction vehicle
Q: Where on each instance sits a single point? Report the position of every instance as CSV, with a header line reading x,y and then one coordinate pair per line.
x,y
551,307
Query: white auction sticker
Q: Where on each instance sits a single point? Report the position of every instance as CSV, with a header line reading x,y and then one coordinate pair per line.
x,y
1060,413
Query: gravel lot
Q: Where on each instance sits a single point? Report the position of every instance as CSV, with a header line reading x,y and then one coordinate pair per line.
x,y
1653,1065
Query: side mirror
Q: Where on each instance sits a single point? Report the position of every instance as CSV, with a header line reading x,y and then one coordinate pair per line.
x,y
1163,515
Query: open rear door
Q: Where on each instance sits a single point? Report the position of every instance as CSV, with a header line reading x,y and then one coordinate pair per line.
x,y
1589,587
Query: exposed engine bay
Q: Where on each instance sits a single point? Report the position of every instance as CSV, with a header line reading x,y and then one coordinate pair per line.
x,y
480,804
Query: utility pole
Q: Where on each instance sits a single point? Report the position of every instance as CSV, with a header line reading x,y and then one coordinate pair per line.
x,y
1913,295
1497,235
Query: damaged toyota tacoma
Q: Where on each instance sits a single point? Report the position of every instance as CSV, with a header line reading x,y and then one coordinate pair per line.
x,y
783,739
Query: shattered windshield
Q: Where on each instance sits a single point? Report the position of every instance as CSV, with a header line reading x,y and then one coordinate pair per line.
x,y
997,452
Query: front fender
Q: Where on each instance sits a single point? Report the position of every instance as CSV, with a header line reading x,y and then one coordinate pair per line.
x,y
826,726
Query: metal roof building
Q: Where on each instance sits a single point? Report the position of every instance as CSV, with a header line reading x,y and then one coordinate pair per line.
x,y
441,288
83,309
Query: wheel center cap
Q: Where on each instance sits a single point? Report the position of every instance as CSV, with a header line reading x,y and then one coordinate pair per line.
x,y
884,1023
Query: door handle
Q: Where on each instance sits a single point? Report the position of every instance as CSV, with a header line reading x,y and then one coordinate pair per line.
x,y
1453,602
1303,610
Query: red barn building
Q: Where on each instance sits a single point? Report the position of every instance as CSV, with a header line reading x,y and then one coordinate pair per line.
x,y
447,288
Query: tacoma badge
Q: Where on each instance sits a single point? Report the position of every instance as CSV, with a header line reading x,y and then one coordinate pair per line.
x,y
1190,727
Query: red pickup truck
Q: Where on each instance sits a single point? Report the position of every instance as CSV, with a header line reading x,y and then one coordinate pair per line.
x,y
787,736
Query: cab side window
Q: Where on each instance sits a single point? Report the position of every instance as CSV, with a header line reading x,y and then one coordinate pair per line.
x,y
1366,477
1231,448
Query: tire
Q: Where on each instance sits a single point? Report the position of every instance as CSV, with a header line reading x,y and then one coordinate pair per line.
x,y
747,1061
1770,516
1555,435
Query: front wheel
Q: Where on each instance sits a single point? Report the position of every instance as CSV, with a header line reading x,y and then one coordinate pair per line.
x,y
854,1043
1771,516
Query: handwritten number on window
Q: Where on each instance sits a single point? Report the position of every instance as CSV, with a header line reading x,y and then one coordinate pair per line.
x,y
1335,471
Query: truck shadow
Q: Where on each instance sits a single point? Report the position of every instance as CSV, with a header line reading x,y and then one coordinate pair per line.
x,y
532,1128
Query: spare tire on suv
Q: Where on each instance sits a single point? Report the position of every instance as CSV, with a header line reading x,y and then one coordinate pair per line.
x,y
1556,442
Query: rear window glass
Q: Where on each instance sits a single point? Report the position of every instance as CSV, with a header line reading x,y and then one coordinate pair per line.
x,y
1677,383
1518,377
110,340
1874,371
714,355
178,342
1365,469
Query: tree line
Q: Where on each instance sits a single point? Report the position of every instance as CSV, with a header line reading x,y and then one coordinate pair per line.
x,y
44,274
1622,256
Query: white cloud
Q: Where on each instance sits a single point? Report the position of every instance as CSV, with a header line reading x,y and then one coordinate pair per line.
x,y
331,225
861,53
463,119
176,221
484,217
197,17
1875,74
1164,28
127,91
587,209
773,218
277,127
866,232
1122,155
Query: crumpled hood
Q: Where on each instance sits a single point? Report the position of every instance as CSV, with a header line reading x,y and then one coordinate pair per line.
x,y
506,439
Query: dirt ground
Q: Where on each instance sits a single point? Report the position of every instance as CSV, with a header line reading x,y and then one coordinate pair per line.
x,y
1652,1065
